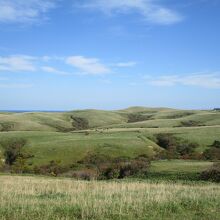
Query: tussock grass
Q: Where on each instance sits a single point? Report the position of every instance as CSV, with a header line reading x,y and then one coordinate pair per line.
x,y
50,198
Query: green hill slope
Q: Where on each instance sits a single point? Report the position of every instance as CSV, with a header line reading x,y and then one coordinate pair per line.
x,y
128,132
71,147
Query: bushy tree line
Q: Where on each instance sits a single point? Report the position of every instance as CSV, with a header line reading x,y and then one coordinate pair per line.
x,y
99,167
176,148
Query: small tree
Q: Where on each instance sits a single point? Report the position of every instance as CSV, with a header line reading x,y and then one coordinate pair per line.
x,y
13,150
20,165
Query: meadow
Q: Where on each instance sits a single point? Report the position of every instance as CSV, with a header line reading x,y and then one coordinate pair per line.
x,y
128,132
25,197
171,189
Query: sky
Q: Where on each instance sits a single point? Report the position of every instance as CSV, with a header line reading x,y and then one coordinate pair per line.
x,y
109,54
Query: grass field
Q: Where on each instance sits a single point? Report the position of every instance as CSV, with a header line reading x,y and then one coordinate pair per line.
x,y
49,198
170,190
110,132
175,166
71,147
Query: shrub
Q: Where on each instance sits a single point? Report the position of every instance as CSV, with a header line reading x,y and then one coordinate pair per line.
x,y
212,174
212,154
118,168
196,156
134,167
85,174
80,123
165,140
138,117
54,168
20,166
215,144
186,149
6,126
13,150
175,147
190,123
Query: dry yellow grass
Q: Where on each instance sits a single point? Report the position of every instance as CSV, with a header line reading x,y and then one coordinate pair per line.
x,y
50,198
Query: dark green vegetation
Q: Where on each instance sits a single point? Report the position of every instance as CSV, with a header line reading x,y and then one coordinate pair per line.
x,y
56,143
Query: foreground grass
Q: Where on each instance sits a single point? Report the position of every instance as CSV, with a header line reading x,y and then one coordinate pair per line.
x,y
50,198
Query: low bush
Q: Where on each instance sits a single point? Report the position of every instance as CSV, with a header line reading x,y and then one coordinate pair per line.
x,y
79,123
13,149
105,167
212,174
213,153
175,148
165,140
190,123
85,174
6,126
138,117
54,168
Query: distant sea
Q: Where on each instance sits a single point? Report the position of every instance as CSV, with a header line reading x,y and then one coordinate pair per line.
x,y
23,111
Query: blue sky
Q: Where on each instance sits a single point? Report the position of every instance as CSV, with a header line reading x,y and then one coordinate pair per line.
x,y
76,54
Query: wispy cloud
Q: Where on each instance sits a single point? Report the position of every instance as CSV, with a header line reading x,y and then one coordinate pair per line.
x,y
65,65
17,63
91,66
151,10
24,11
126,64
205,80
50,69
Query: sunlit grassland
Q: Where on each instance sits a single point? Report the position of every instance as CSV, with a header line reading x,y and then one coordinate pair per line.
x,y
175,166
71,147
50,198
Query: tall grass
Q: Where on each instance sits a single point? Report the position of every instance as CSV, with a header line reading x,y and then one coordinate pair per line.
x,y
49,198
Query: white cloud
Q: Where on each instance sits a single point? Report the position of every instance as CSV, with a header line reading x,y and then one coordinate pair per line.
x,y
151,10
17,63
205,80
24,11
50,69
126,64
91,66
24,63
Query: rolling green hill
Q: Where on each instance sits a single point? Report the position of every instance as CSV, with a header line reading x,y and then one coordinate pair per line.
x,y
72,147
70,136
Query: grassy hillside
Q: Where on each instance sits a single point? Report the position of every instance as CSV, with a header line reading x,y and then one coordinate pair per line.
x,y
71,147
128,132
135,117
31,198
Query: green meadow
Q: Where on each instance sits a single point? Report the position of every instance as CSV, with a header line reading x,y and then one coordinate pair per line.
x,y
172,188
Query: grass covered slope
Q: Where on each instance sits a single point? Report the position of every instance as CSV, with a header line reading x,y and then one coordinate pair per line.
x,y
31,198
129,132
134,117
71,147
